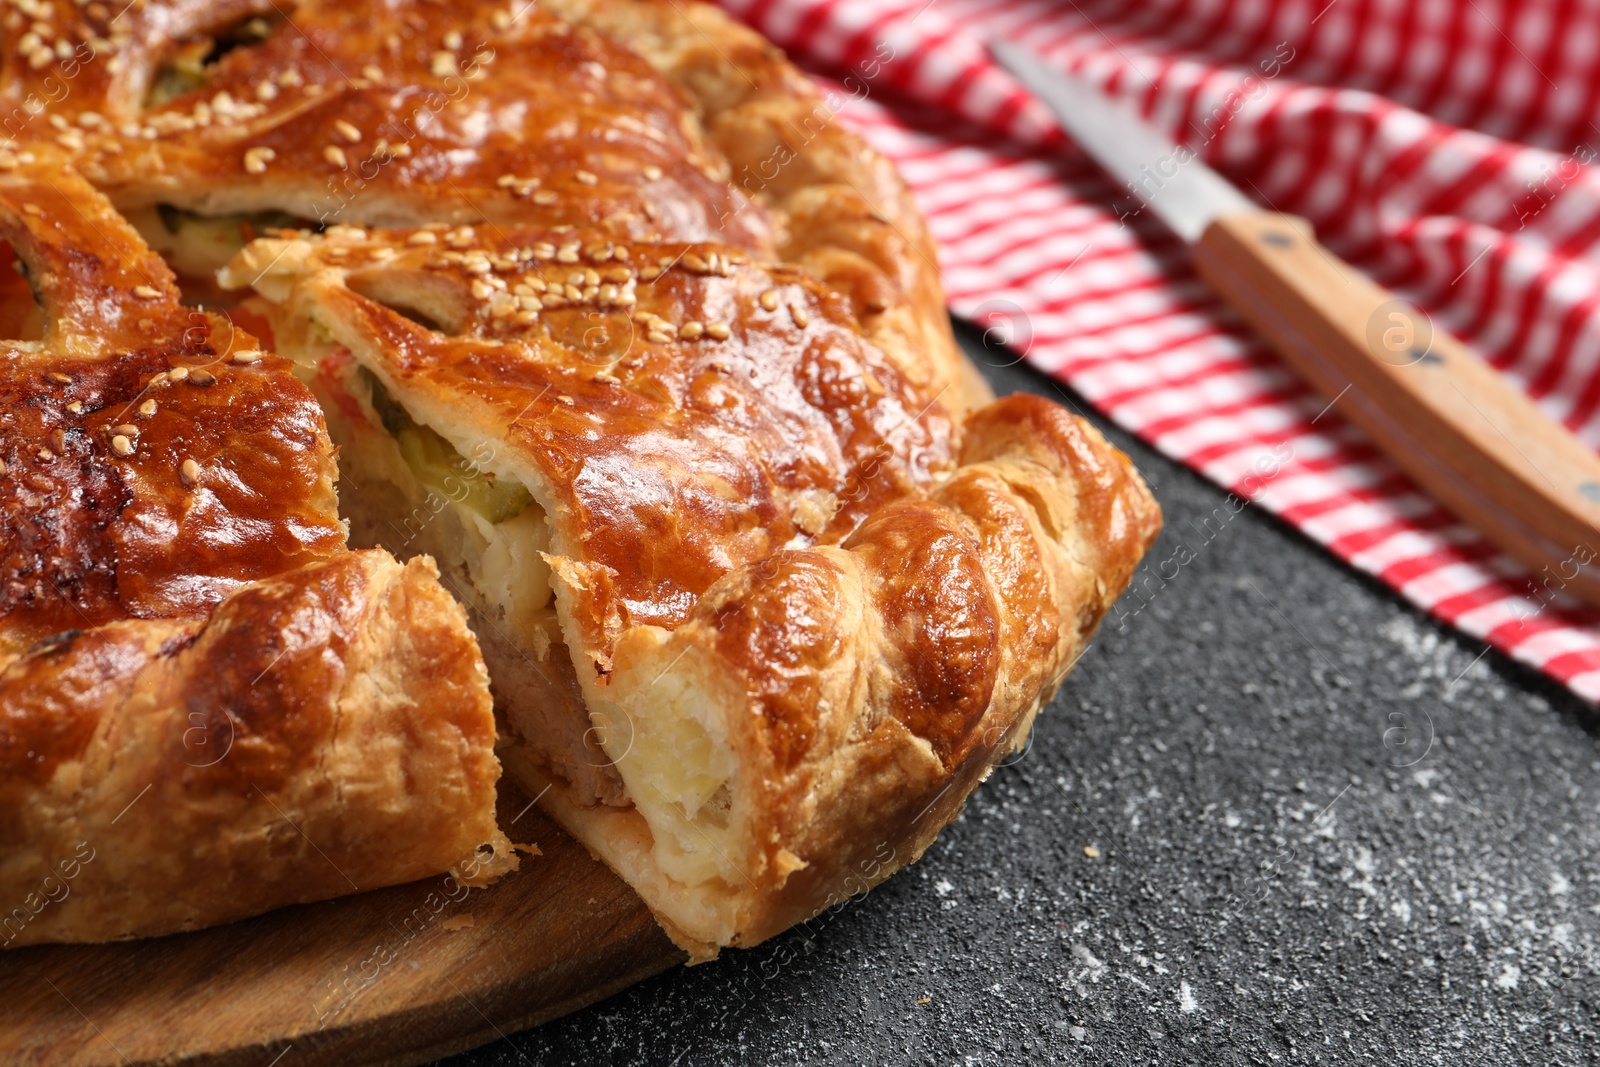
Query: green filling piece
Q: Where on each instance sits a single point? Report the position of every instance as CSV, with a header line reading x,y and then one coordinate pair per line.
x,y
437,464
185,72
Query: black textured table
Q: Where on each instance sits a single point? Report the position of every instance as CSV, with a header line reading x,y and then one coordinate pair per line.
x,y
1275,816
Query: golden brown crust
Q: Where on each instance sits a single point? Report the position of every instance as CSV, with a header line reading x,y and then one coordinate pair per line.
x,y
321,732
389,113
840,210
183,633
147,471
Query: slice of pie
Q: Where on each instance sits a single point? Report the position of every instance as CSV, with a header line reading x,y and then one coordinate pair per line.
x,y
759,611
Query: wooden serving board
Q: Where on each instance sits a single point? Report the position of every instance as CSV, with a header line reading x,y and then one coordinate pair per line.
x,y
395,976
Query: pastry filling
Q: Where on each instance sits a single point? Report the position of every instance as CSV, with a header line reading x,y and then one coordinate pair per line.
x,y
197,246
190,61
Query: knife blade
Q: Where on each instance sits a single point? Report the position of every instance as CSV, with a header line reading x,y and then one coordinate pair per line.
x,y
1463,433
1186,194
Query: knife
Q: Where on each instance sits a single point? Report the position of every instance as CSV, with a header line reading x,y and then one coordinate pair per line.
x,y
1475,442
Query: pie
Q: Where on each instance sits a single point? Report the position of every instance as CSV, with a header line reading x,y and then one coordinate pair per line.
x,y
606,315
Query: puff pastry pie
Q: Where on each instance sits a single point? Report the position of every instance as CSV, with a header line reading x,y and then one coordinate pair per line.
x,y
607,314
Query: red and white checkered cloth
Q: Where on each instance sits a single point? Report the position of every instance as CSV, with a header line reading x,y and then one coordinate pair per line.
x,y
1442,146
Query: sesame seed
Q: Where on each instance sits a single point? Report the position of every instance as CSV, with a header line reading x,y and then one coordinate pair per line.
x,y
656,337
653,173
452,40
718,331
802,318
121,446
567,253
257,158
694,263
58,439
199,376
8,161
443,64
545,197
146,292
335,155
76,407
126,430
769,300
33,209
690,330
57,376
189,471
586,178
266,91
45,454
178,374
420,238
244,355
148,408
348,130
372,72
480,291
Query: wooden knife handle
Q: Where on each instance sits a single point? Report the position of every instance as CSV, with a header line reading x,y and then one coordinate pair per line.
x,y
1445,417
